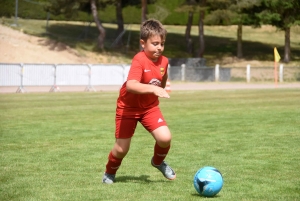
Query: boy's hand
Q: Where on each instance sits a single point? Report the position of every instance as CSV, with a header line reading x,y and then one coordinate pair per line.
x,y
160,92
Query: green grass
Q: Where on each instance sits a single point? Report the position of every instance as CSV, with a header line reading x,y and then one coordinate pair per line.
x,y
54,146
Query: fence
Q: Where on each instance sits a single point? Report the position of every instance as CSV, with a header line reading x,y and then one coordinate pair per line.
x,y
62,75
88,75
198,74
265,74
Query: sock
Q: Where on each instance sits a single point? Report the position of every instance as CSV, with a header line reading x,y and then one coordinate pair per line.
x,y
113,164
159,154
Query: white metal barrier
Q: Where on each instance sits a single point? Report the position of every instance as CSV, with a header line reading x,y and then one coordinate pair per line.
x,y
89,75
62,75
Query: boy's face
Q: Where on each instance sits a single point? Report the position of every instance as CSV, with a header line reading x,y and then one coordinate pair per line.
x,y
153,47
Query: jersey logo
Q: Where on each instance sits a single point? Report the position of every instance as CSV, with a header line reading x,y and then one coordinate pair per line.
x,y
160,120
155,82
146,70
162,70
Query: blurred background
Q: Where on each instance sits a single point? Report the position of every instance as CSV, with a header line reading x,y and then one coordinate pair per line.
x,y
233,34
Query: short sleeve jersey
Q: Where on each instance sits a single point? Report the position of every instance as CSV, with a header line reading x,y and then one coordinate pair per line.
x,y
147,72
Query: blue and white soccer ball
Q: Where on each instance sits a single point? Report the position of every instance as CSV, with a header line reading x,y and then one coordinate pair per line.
x,y
208,181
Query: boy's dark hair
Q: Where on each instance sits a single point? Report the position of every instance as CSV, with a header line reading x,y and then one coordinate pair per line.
x,y
152,27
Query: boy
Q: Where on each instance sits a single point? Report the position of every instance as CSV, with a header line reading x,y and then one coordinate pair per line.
x,y
138,101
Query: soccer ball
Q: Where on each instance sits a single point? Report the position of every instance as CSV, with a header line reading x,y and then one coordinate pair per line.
x,y
208,181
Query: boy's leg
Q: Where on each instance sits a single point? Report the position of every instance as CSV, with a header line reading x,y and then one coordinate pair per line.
x,y
155,123
125,127
117,154
115,158
162,136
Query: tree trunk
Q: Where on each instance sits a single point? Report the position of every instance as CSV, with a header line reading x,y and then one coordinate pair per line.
x,y
287,45
120,20
101,29
201,34
189,25
188,39
119,16
144,10
239,41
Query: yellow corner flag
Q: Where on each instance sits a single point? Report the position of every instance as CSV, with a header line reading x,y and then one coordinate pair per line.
x,y
276,55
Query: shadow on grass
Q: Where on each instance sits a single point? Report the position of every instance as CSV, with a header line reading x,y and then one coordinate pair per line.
x,y
85,37
200,196
134,179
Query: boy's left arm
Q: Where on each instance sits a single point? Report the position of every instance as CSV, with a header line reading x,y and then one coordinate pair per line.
x,y
164,80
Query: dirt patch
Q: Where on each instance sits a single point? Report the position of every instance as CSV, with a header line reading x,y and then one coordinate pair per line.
x,y
17,47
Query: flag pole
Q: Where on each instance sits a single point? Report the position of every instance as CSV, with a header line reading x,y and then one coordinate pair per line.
x,y
275,73
276,60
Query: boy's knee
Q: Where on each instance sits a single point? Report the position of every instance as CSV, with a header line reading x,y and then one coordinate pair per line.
x,y
119,152
164,143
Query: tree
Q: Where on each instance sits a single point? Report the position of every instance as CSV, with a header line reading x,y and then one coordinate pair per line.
x,y
190,7
144,10
218,12
101,29
120,23
193,6
70,8
119,16
188,29
201,28
227,12
283,15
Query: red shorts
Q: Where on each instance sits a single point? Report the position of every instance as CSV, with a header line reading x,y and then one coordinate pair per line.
x,y
126,121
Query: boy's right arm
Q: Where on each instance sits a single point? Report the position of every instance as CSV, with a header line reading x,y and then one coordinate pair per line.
x,y
136,87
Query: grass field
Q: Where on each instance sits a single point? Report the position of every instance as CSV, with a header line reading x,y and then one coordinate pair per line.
x,y
54,146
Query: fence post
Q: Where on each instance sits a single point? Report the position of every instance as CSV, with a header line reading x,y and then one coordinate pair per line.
x,y
248,72
89,87
281,73
183,72
217,73
21,88
54,88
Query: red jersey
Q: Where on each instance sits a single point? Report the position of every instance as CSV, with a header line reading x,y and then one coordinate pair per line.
x,y
147,72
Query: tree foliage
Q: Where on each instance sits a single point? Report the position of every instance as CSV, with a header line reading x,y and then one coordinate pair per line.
x,y
282,14
69,8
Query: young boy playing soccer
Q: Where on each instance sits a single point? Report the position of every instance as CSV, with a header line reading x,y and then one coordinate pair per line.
x,y
138,101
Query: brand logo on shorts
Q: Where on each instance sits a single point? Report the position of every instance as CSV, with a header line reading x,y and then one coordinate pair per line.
x,y
160,120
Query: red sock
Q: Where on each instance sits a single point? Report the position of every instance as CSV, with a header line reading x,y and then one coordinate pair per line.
x,y
159,154
113,164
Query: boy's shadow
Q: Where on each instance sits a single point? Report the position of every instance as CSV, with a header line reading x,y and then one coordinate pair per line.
x,y
133,179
